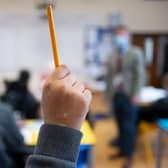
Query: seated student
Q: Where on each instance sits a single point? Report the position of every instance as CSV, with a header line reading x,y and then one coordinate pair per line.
x,y
19,97
156,110
5,160
12,148
65,104
151,113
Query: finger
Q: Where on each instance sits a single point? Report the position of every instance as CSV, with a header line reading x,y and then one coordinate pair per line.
x,y
69,80
88,95
60,73
79,86
86,86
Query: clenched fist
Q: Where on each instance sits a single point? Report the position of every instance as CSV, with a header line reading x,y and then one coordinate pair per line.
x,y
65,100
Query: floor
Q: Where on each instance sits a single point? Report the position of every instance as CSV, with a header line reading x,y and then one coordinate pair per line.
x,y
104,131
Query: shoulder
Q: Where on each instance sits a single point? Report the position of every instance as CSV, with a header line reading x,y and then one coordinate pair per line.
x,y
137,54
5,109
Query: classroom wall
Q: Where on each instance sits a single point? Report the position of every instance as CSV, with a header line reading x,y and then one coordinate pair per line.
x,y
25,40
140,15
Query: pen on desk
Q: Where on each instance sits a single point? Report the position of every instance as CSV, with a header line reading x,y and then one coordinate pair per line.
x,y
53,36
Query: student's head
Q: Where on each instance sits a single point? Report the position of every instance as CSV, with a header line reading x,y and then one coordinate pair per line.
x,y
122,37
165,82
24,77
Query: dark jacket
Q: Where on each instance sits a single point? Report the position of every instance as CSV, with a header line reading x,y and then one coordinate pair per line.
x,y
21,99
57,147
12,134
11,141
5,160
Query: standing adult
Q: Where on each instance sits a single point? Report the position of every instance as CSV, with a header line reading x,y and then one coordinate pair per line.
x,y
125,78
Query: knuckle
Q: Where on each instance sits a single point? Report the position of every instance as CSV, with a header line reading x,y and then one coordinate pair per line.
x,y
82,100
47,86
65,67
61,88
72,94
90,94
81,85
76,95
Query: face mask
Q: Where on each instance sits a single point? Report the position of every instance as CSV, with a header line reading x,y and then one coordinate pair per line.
x,y
122,43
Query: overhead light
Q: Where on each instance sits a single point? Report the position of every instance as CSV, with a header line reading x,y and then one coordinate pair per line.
x,y
42,4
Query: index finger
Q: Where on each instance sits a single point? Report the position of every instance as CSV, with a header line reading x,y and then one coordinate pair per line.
x,y
60,73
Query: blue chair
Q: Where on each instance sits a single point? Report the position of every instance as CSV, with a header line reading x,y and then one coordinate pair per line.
x,y
83,156
163,128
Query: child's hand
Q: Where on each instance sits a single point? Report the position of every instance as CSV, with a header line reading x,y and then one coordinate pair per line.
x,y
65,100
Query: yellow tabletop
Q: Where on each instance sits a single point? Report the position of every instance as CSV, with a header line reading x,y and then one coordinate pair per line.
x,y
88,135
31,130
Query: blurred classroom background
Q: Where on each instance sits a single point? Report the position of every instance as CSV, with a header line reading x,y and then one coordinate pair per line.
x,y
86,37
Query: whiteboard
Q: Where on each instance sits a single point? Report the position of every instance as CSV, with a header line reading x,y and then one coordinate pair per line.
x,y
26,44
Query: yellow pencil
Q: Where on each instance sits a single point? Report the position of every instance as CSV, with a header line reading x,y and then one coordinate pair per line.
x,y
53,36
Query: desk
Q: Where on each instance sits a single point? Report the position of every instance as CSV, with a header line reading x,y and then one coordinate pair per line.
x,y
163,128
99,104
30,132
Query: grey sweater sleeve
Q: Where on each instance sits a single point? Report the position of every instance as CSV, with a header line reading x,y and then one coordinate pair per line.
x,y
57,147
139,72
